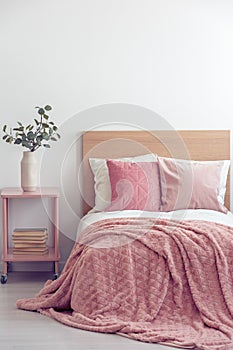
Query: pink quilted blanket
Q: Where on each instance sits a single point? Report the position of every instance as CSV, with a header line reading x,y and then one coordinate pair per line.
x,y
150,280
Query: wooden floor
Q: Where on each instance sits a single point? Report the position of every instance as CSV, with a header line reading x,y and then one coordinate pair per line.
x,y
24,330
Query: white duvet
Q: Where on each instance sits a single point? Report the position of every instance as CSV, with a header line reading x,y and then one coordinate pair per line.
x,y
188,214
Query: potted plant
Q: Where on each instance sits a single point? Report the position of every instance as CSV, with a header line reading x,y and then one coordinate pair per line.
x,y
32,137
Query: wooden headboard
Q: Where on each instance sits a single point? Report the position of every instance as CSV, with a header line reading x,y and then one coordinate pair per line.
x,y
185,144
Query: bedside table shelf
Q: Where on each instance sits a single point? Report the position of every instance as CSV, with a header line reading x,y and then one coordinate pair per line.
x,y
53,255
11,257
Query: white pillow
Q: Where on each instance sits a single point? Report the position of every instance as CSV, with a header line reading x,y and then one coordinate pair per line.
x,y
101,177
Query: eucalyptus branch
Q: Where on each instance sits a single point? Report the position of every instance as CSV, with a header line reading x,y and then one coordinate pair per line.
x,y
33,136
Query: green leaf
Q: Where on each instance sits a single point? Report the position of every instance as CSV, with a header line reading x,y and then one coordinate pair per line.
x,y
9,139
36,121
4,128
55,128
30,135
26,144
58,135
53,139
45,125
45,116
19,129
46,145
20,124
45,136
18,141
39,138
41,111
48,108
4,137
52,123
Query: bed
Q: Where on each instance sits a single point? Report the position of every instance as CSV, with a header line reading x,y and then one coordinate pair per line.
x,y
154,252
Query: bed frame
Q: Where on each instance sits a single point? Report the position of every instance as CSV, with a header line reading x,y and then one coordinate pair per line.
x,y
185,144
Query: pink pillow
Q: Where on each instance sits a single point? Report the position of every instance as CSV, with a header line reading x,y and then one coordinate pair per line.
x,y
190,184
134,186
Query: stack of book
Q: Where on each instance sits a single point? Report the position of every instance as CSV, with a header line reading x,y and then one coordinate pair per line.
x,y
30,241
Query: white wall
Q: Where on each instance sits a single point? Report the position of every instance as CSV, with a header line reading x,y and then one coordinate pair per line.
x,y
170,57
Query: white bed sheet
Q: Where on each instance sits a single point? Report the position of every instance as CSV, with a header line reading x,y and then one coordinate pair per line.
x,y
188,214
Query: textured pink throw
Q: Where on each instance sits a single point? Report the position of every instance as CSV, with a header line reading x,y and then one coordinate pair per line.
x,y
151,280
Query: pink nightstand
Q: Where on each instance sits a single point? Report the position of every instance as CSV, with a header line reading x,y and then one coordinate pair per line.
x,y
53,253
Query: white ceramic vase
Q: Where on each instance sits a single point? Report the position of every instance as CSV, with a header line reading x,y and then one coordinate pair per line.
x,y
29,172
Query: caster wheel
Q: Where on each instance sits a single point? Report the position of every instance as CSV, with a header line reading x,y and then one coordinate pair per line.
x,y
55,276
4,278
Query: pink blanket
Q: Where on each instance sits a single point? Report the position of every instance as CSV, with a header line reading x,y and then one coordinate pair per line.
x,y
150,280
